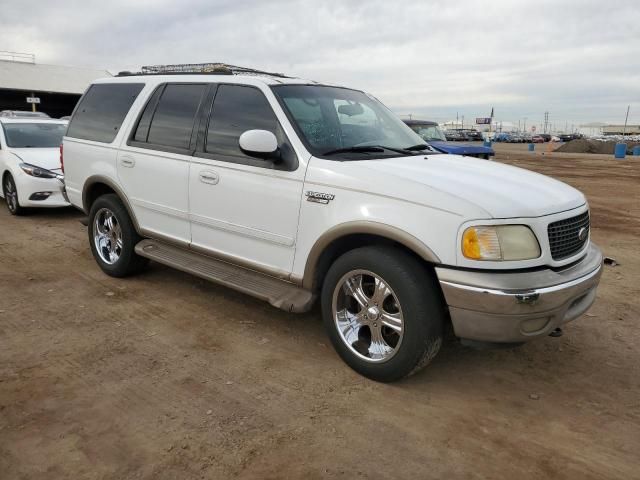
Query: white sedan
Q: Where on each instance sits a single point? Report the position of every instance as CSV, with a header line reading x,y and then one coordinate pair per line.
x,y
30,163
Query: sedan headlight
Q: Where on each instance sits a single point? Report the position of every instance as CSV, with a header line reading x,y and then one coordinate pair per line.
x,y
500,242
38,172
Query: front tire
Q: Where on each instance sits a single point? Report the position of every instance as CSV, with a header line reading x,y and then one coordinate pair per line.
x,y
10,192
383,311
113,237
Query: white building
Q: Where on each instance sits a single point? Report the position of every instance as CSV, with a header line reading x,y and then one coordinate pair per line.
x,y
56,87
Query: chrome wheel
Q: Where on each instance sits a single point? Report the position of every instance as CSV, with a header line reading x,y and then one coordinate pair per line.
x,y
107,236
10,194
368,316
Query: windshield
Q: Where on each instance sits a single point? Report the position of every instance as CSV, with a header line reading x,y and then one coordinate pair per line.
x,y
34,135
343,122
429,132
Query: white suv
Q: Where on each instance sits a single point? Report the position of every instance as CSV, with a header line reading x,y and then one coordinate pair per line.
x,y
289,190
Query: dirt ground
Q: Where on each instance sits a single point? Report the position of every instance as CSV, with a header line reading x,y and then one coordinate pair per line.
x,y
165,376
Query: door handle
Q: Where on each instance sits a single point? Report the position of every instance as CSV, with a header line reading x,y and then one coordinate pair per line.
x,y
128,162
209,177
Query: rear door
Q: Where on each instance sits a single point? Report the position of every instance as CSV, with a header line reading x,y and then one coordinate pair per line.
x,y
242,207
153,166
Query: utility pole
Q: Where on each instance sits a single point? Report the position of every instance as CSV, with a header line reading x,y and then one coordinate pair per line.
x,y
546,121
462,123
624,131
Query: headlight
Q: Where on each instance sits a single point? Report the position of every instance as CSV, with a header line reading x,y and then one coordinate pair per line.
x,y
500,242
37,171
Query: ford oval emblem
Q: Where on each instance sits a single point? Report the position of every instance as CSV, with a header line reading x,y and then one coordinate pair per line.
x,y
582,234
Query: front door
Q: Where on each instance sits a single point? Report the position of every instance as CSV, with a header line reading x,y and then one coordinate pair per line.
x,y
241,207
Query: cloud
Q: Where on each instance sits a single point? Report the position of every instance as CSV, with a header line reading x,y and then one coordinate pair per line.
x,y
577,59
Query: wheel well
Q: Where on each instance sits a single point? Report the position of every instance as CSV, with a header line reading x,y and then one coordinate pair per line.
x,y
343,244
95,191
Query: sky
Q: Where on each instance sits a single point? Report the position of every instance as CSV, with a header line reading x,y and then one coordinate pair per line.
x,y
433,59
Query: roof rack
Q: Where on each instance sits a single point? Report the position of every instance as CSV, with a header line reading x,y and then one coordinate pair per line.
x,y
201,68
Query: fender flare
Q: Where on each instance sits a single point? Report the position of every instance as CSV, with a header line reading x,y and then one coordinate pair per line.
x,y
114,186
363,227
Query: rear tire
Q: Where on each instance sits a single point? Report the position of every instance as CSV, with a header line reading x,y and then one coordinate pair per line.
x,y
383,311
113,238
10,192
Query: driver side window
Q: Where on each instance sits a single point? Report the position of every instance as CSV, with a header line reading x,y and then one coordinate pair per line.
x,y
236,109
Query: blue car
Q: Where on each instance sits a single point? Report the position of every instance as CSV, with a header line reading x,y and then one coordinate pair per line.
x,y
434,136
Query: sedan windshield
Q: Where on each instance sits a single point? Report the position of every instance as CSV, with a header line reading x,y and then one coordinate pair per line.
x,y
347,124
34,135
429,132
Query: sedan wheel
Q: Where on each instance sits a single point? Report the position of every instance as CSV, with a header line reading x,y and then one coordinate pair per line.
x,y
11,195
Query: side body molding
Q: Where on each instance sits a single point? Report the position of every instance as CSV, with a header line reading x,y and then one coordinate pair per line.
x,y
367,228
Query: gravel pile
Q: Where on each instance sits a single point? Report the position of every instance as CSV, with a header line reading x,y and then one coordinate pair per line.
x,y
593,146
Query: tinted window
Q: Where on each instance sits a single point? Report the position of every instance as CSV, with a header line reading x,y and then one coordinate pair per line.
x,y
34,135
142,130
237,109
101,111
175,115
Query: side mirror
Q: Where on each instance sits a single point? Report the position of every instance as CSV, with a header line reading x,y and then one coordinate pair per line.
x,y
261,143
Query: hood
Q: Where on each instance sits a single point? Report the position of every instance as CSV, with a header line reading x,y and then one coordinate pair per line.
x,y
461,148
501,190
48,158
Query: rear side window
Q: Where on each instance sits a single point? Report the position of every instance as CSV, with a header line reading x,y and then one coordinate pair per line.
x,y
174,117
142,130
237,109
101,111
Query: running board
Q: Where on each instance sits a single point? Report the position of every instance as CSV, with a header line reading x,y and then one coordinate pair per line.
x,y
279,293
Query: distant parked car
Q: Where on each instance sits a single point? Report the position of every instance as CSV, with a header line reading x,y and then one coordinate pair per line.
x,y
537,139
473,135
453,136
502,137
30,163
567,137
434,136
22,114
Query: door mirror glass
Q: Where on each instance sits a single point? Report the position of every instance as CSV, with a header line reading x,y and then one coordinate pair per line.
x,y
258,142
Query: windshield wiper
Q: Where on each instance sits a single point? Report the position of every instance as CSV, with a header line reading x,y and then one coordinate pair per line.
x,y
415,148
361,149
411,150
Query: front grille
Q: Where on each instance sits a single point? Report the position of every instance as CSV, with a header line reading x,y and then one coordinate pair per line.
x,y
564,239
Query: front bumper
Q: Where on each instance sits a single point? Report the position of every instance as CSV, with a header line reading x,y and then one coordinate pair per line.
x,y
29,187
518,306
